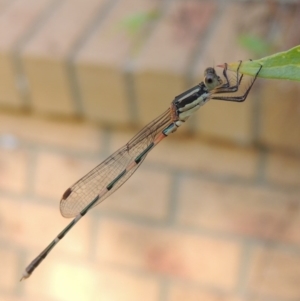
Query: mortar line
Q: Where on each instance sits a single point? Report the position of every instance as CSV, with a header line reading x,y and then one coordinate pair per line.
x,y
241,285
164,288
129,68
173,199
203,43
74,82
20,74
198,53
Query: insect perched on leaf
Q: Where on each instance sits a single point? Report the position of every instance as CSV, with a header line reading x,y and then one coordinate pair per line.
x,y
113,172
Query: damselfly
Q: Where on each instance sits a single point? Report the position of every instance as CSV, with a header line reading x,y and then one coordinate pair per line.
x,y
113,172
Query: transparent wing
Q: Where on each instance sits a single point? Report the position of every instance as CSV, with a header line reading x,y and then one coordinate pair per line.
x,y
79,195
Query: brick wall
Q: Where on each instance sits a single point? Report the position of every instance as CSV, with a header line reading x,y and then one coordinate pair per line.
x,y
212,214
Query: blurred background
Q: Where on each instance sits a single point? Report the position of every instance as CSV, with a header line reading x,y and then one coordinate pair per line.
x,y
212,214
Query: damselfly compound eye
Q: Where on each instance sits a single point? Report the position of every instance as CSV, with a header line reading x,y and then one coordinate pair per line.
x,y
211,79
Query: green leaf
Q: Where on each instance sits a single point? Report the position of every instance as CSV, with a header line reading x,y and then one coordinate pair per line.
x,y
282,65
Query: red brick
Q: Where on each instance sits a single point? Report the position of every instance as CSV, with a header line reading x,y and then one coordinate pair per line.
x,y
56,172
283,169
210,158
275,274
221,46
4,4
198,258
76,136
69,19
44,56
9,263
66,279
227,120
146,194
13,170
244,210
280,122
33,226
196,155
15,21
180,293
101,61
161,67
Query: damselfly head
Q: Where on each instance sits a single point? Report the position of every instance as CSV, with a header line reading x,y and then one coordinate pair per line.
x,y
211,78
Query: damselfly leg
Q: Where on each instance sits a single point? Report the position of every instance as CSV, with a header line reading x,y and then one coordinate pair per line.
x,y
238,91
228,86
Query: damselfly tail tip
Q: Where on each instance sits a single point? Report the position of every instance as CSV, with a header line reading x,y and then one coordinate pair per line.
x,y
221,66
24,276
